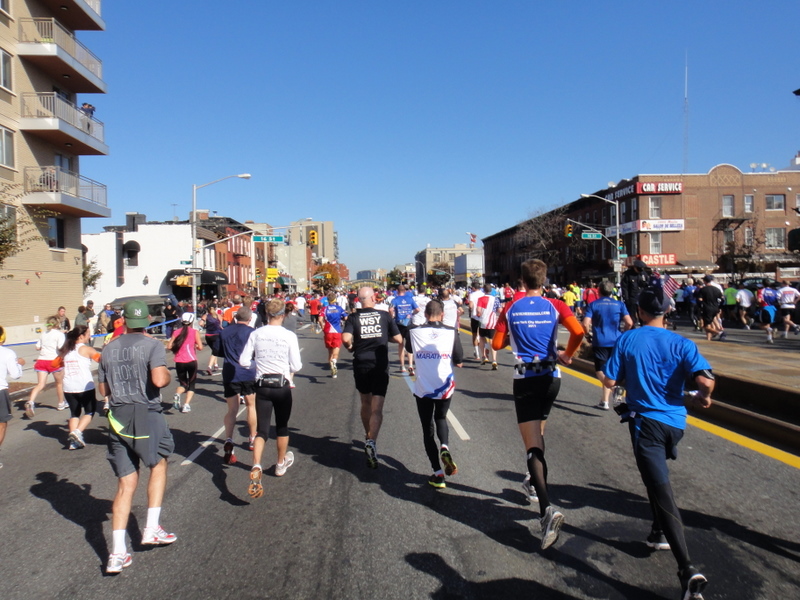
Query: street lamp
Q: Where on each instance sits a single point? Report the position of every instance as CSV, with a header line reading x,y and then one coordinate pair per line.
x,y
617,269
194,235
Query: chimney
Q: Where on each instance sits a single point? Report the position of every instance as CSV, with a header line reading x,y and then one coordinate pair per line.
x,y
133,220
202,215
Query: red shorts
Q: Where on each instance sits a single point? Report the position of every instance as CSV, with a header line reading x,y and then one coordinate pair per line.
x,y
46,366
333,340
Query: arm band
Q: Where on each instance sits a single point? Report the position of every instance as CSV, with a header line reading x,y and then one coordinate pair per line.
x,y
704,373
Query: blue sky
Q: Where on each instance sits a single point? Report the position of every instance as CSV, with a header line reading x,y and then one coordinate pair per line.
x,y
409,123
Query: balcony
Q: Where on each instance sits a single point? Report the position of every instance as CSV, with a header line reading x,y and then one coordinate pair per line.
x,y
77,14
65,192
52,118
54,49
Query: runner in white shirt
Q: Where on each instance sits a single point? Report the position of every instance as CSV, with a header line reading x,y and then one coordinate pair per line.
x,y
744,300
452,308
277,355
475,320
77,356
300,303
10,366
787,298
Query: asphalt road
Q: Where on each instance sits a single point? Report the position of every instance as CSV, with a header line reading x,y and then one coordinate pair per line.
x,y
331,528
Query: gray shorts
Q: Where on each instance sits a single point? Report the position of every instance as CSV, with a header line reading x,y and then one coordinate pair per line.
x,y
5,406
125,455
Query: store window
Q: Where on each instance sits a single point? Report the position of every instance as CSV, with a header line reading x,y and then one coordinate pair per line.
x,y
655,243
775,201
776,238
727,206
655,207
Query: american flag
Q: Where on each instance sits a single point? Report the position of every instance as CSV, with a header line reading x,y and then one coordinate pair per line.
x,y
669,285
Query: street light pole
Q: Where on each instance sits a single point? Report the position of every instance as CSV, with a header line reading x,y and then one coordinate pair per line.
x,y
194,235
617,252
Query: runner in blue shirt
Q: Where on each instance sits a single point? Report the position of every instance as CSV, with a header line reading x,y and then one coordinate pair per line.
x,y
333,317
402,308
603,319
654,364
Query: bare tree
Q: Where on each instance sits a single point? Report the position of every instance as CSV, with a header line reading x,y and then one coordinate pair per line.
x,y
19,225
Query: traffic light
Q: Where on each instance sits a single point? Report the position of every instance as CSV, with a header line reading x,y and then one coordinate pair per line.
x,y
313,237
620,245
568,230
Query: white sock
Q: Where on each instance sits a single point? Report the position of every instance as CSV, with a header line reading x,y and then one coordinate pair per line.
x,y
153,515
118,539
440,473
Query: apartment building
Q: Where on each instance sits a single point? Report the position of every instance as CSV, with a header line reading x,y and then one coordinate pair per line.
x,y
426,259
46,124
726,220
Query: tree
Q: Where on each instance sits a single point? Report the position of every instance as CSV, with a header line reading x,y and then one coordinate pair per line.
x,y
19,226
394,277
91,275
331,278
439,274
743,253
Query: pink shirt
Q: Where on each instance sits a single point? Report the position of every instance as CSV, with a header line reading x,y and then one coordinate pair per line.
x,y
187,352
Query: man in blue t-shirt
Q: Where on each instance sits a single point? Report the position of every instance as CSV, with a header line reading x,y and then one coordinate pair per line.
x,y
654,364
602,319
402,308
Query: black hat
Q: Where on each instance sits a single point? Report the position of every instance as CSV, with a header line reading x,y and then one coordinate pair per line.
x,y
708,278
639,264
653,302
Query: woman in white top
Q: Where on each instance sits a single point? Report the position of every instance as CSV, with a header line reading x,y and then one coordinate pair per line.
x,y
277,356
52,339
77,355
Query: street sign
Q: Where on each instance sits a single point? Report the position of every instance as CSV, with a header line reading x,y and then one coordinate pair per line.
x,y
193,270
591,235
273,239
186,262
623,256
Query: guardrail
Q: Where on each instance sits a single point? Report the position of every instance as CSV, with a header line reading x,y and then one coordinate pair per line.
x,y
50,31
49,105
56,179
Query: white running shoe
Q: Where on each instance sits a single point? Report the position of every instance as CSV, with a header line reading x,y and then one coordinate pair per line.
x,y
117,562
530,491
76,437
176,401
30,410
186,408
551,523
288,461
156,536
62,405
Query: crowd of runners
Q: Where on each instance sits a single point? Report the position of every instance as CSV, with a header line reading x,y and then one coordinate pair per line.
x,y
259,348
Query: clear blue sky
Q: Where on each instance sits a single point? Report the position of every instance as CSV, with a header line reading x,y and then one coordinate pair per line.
x,y
412,122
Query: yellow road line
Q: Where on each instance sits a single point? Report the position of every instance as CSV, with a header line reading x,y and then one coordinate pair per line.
x,y
784,457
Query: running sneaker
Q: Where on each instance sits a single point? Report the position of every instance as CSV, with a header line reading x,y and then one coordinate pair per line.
x,y
484,361
450,467
657,540
722,336
72,445
334,370
186,408
62,405
411,370
156,536
229,458
30,410
494,366
176,401
372,454
255,489
692,583
288,461
437,481
117,562
603,405
76,437
530,491
251,443
209,372
551,523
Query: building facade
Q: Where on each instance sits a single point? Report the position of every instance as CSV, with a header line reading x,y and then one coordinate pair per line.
x,y
46,125
427,258
725,220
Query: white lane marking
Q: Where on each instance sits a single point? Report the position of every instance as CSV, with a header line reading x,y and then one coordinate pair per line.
x,y
214,438
462,433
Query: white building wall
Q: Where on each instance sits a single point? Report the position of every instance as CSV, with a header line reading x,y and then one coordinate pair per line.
x,y
163,247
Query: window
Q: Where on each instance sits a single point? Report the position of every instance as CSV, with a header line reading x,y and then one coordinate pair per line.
x,y
729,240
727,206
775,202
655,207
5,70
55,232
634,249
6,147
4,6
605,216
749,239
776,238
655,243
8,223
749,203
622,218
634,208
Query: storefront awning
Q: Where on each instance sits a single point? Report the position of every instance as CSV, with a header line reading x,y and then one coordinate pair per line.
x,y
695,265
206,278
286,280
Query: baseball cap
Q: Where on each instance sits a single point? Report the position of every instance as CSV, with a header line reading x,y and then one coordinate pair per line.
x,y
652,301
136,313
708,278
187,318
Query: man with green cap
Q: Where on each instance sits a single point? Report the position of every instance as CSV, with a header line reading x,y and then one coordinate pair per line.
x,y
132,369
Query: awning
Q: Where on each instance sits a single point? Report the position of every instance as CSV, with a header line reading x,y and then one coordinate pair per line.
x,y
286,280
206,278
131,246
695,265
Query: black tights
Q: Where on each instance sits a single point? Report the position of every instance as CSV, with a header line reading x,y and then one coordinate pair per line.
x,y
667,518
537,467
433,417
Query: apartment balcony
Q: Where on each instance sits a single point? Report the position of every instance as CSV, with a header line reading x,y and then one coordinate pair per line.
x,y
63,124
54,49
78,14
65,192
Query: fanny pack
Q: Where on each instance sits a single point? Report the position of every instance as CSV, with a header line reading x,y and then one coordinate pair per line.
x,y
536,366
271,381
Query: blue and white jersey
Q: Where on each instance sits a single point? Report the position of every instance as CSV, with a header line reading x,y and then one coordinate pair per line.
x,y
403,309
436,348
